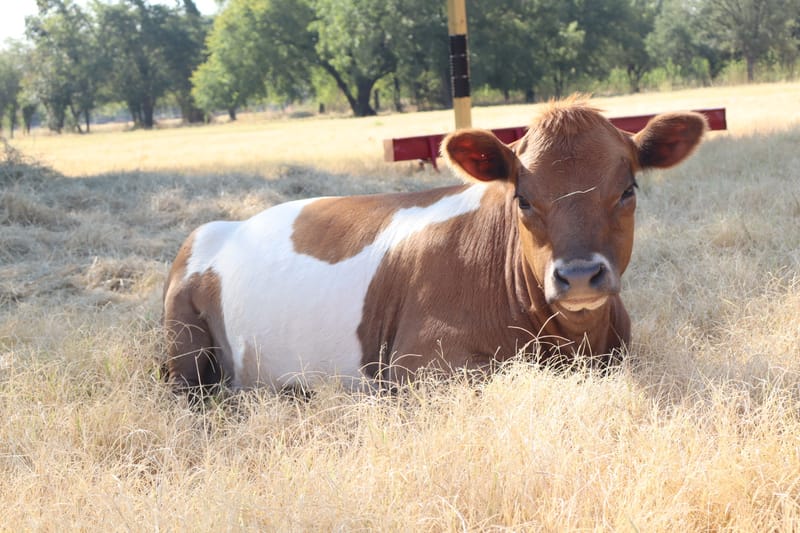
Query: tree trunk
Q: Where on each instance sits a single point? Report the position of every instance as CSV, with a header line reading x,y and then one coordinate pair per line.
x,y
57,116
634,77
530,96
87,116
363,108
27,118
12,118
148,110
190,113
558,86
330,69
360,103
76,116
232,113
751,64
398,104
136,115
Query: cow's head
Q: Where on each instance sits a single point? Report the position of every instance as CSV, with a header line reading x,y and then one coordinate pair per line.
x,y
574,187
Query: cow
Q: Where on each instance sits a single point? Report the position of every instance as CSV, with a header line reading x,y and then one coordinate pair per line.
x,y
525,257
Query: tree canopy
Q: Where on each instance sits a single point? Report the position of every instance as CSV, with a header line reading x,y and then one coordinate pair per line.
x,y
143,54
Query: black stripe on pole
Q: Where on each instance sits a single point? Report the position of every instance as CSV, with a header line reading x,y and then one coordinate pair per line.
x,y
459,65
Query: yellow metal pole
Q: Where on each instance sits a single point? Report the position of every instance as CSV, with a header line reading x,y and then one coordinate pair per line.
x,y
459,62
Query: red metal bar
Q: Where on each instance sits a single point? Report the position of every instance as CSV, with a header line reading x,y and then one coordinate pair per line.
x,y
426,147
716,120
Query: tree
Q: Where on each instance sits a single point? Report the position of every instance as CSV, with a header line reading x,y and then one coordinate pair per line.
x,y
422,51
551,44
68,62
10,88
680,36
215,88
49,80
184,37
752,27
594,37
357,45
153,50
517,61
276,45
255,45
631,32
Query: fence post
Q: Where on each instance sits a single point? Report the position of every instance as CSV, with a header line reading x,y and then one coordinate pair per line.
x,y
459,62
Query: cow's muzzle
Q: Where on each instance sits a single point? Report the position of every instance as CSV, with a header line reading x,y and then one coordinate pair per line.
x,y
580,284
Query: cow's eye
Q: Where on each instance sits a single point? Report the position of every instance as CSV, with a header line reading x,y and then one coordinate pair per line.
x,y
523,202
628,193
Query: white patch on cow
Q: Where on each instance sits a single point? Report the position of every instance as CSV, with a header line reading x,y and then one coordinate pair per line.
x,y
213,235
295,314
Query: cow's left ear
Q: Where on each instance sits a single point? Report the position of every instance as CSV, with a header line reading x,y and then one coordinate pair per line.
x,y
478,154
669,138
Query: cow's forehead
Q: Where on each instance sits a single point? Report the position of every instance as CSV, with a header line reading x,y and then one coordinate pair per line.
x,y
570,149
554,174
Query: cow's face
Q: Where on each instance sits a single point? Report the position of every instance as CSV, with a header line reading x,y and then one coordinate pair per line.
x,y
574,192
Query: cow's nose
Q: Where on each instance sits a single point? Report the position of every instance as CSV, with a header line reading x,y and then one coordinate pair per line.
x,y
580,279
579,276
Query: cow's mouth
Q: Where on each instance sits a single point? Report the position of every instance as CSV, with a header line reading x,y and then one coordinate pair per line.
x,y
582,304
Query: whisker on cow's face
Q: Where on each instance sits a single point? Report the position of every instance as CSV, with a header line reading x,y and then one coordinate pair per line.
x,y
573,193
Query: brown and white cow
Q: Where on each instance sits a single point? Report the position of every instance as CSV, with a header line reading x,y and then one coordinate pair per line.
x,y
380,286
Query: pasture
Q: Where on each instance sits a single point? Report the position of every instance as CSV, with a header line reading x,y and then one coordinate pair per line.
x,y
699,430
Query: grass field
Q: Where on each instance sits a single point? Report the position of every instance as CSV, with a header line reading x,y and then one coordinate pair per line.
x,y
699,430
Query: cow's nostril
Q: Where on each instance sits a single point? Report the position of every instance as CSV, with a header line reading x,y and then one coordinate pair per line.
x,y
560,279
597,279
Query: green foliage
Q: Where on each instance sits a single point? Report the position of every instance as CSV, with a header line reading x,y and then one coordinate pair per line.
x,y
752,28
213,88
154,49
256,46
183,38
346,53
356,43
65,71
681,35
10,87
422,50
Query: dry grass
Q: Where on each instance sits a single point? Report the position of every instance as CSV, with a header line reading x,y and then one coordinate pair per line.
x,y
255,145
699,431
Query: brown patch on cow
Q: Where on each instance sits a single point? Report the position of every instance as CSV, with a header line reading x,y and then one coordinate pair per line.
x,y
461,297
335,229
443,298
194,325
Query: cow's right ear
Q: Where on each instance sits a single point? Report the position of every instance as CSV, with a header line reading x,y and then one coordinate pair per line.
x,y
479,155
669,138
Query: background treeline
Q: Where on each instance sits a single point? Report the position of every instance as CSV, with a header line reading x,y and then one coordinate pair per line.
x,y
130,58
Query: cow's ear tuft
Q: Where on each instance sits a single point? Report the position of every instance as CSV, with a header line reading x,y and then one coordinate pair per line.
x,y
479,155
669,138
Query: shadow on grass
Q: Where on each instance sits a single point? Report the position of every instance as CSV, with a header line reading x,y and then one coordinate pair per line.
x,y
129,225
